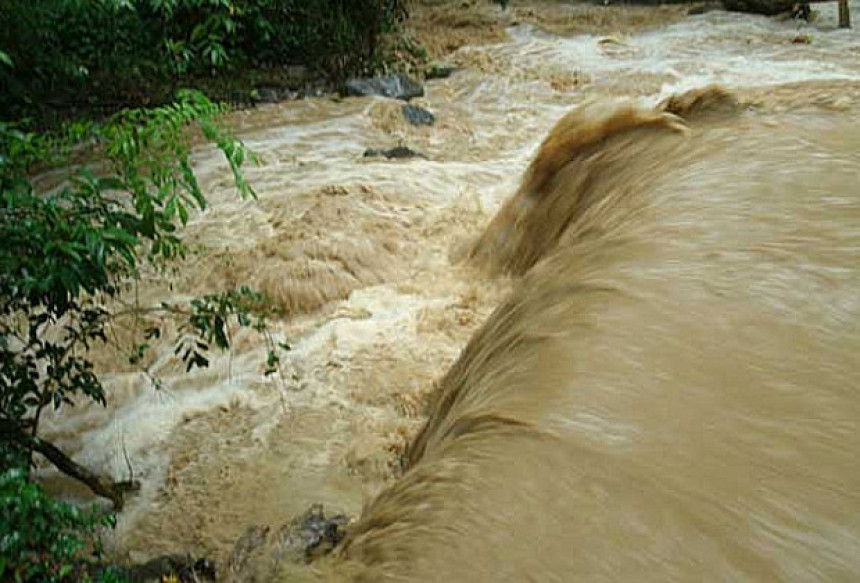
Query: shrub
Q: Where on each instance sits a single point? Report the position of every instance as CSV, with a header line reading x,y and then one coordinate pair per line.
x,y
66,253
81,55
43,540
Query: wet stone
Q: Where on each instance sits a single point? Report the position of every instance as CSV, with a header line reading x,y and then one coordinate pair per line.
x,y
258,552
392,86
312,534
418,116
266,95
398,152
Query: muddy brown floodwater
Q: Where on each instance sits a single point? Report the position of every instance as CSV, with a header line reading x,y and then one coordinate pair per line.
x,y
661,330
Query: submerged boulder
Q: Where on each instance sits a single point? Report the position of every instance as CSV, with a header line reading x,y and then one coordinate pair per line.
x,y
418,116
313,534
398,152
392,86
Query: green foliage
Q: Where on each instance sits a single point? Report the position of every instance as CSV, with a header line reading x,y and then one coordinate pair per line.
x,y
66,252
76,55
73,240
208,322
43,540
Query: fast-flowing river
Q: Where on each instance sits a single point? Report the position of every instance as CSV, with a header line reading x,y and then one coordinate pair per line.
x,y
710,407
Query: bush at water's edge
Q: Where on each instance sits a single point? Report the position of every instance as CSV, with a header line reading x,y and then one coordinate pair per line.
x,y
65,58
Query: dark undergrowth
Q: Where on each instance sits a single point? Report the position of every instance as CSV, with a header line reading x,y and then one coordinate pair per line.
x,y
67,59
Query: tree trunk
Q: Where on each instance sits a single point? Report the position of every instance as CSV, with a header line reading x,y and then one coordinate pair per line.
x,y
101,486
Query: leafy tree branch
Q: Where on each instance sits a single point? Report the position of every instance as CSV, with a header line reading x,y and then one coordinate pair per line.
x,y
66,253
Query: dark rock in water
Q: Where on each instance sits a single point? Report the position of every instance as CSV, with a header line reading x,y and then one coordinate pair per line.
x,y
418,116
439,72
765,7
704,8
313,533
398,152
393,86
259,552
266,95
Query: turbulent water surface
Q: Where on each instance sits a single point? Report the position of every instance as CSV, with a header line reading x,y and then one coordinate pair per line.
x,y
666,387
